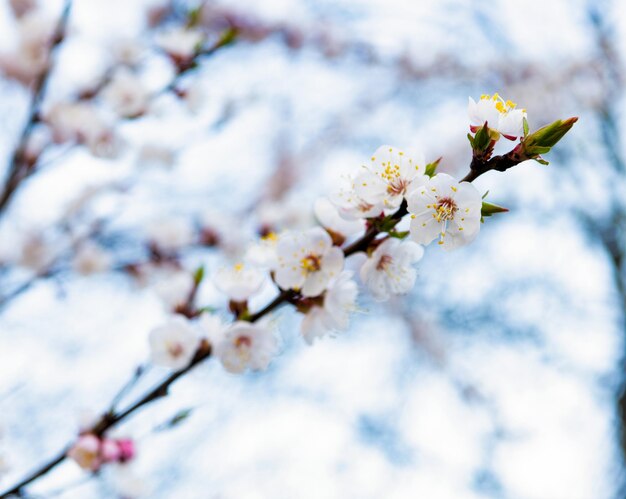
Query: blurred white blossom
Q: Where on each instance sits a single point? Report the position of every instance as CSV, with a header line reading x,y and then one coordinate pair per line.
x,y
126,94
170,234
181,44
333,315
37,253
329,217
86,452
239,282
91,258
389,269
246,346
171,285
174,343
81,122
262,253
30,59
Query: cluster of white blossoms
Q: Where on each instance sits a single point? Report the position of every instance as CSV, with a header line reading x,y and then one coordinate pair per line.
x,y
308,266
239,346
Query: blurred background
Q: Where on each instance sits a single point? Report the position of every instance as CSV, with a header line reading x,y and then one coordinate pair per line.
x,y
499,376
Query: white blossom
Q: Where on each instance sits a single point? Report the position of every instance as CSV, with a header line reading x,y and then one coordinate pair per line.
x,y
391,175
500,115
239,282
127,51
262,254
389,269
170,234
82,123
307,261
174,343
86,452
246,346
446,209
91,258
35,31
351,206
36,252
126,94
180,43
339,301
172,286
328,216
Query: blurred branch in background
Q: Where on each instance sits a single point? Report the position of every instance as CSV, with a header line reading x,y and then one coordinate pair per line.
x,y
20,165
608,228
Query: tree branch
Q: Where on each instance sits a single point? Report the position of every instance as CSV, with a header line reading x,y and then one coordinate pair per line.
x,y
19,169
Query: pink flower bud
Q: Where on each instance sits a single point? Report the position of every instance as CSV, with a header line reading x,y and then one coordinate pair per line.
x,y
126,449
86,452
110,451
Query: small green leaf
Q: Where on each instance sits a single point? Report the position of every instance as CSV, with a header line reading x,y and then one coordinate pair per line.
x,y
525,122
431,168
541,141
399,234
193,17
207,310
198,275
489,209
471,139
175,420
482,138
228,37
386,224
485,194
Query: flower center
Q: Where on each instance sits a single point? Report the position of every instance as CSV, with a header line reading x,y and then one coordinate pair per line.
x,y
502,106
445,209
391,172
384,262
243,341
398,186
175,349
364,207
311,263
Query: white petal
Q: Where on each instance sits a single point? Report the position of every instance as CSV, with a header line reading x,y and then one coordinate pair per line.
x,y
332,262
315,283
371,188
289,277
424,229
